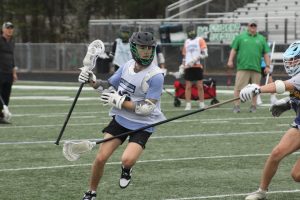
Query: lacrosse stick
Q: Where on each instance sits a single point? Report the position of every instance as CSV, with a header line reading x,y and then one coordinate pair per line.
x,y
73,150
271,67
95,50
5,111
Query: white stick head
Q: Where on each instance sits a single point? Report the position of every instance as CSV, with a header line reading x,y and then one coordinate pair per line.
x,y
72,150
95,50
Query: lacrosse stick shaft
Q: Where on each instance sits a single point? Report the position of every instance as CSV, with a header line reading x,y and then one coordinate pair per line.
x,y
69,114
167,120
2,101
271,57
169,93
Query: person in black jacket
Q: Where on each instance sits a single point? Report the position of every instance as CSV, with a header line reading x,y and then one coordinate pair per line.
x,y
8,72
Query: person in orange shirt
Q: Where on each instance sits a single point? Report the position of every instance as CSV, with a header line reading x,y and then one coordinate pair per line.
x,y
194,49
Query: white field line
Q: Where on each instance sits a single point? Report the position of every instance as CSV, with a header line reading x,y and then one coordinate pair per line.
x,y
175,121
142,161
35,87
232,195
158,137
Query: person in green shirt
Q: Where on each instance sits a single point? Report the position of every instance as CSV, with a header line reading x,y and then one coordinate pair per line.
x,y
248,48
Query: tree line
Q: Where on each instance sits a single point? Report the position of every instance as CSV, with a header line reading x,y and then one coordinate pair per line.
x,y
57,21
67,20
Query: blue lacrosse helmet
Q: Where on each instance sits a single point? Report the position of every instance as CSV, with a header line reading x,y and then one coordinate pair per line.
x,y
291,59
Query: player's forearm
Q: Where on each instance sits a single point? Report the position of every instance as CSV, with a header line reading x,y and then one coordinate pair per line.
x,y
267,60
102,83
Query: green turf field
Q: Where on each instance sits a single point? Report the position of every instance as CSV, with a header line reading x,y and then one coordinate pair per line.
x,y
214,154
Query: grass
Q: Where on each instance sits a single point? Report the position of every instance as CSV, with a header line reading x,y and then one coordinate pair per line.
x,y
214,154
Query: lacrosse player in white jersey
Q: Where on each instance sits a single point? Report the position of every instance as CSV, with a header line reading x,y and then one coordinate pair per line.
x,y
194,49
135,103
290,142
121,48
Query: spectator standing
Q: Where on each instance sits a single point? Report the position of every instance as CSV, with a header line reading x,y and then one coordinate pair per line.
x,y
194,49
249,48
8,70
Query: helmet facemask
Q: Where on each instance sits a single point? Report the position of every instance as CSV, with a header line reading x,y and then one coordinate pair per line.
x,y
124,33
292,65
142,47
124,36
191,31
291,59
191,34
138,51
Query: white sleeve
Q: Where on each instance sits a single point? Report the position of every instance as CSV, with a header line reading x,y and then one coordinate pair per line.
x,y
295,81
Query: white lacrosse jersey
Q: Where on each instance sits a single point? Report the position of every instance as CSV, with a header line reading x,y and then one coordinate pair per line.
x,y
192,49
122,54
132,84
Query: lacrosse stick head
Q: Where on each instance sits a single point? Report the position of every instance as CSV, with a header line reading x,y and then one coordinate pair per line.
x,y
73,150
7,115
95,50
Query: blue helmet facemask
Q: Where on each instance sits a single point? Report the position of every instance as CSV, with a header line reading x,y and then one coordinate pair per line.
x,y
291,59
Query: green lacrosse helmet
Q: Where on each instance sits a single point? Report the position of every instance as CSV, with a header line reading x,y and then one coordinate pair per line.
x,y
124,33
142,39
191,31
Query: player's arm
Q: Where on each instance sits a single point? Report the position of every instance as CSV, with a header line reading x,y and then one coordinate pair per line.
x,y
147,106
203,47
231,58
144,107
268,63
183,52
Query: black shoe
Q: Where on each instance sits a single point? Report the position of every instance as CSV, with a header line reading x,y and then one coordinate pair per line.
x,y
4,121
125,177
89,196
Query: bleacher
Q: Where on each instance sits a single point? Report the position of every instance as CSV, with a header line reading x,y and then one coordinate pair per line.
x,y
277,17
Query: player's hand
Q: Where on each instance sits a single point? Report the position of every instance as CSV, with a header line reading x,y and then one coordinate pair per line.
x,y
164,71
230,64
280,106
181,70
112,98
86,76
249,91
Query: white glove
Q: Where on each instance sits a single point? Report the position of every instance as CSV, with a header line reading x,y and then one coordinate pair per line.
x,y
280,106
181,70
86,76
113,99
247,92
103,56
191,63
164,71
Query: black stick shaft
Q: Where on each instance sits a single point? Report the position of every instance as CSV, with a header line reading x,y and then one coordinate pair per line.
x,y
69,114
167,120
169,93
2,101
